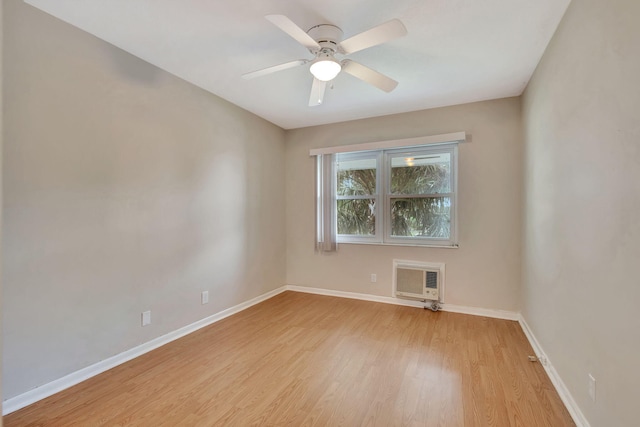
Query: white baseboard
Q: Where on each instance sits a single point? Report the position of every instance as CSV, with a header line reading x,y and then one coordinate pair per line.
x,y
561,388
49,389
485,312
498,314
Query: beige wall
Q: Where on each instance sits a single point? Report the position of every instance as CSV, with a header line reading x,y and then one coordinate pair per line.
x,y
485,270
582,226
126,189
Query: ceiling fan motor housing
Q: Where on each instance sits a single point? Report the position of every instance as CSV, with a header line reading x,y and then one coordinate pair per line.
x,y
327,36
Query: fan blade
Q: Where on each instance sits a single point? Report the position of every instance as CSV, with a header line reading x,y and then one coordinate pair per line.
x,y
368,75
297,33
383,33
317,92
273,69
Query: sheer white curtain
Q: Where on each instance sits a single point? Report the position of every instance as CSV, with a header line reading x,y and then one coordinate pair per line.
x,y
325,203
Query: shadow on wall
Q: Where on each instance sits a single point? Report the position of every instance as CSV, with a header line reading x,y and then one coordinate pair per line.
x,y
139,72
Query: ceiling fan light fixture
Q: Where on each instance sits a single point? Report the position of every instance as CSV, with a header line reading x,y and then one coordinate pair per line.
x,y
325,67
325,41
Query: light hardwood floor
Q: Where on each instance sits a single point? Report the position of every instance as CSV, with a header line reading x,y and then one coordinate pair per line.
x,y
300,359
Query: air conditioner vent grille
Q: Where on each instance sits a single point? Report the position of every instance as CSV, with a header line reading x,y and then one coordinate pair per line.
x,y
409,280
432,279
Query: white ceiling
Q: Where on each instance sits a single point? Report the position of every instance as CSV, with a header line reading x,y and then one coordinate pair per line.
x,y
456,51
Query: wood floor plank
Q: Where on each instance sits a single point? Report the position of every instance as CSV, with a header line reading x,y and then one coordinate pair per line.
x,y
309,360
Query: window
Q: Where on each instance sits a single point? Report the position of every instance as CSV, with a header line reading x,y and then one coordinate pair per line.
x,y
357,196
419,195
403,196
389,193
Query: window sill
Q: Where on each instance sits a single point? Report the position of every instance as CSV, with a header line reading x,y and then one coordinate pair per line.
x,y
412,245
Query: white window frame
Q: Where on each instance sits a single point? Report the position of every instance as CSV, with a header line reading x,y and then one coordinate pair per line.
x,y
452,149
384,149
383,197
377,237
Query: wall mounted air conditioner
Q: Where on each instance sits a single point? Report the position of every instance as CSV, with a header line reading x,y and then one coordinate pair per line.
x,y
418,280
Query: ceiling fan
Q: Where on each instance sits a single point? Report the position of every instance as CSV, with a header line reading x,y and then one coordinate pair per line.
x,y
324,41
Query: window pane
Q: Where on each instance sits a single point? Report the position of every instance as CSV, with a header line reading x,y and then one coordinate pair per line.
x,y
421,217
421,174
357,217
356,177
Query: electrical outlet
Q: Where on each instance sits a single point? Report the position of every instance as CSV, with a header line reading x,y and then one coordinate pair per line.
x,y
205,297
374,278
592,388
146,318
